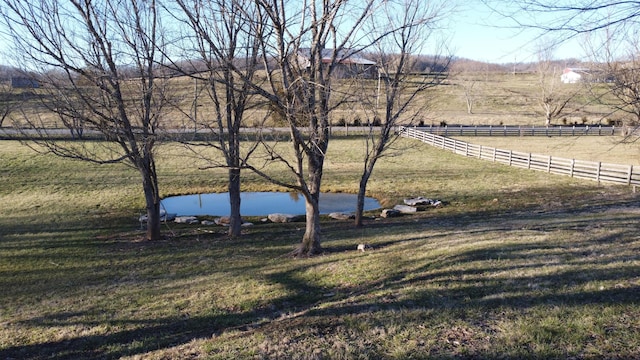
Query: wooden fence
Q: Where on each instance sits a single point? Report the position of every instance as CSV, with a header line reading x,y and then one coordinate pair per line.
x,y
598,171
464,130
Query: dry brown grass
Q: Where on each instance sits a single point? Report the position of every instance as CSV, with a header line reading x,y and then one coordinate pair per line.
x,y
500,99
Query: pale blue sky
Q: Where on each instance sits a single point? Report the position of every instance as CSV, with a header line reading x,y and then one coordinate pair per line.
x,y
478,33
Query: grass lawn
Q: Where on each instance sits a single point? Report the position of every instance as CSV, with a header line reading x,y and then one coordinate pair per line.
x,y
609,149
518,264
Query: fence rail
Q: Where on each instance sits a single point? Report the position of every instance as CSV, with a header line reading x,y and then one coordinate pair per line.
x,y
464,130
598,171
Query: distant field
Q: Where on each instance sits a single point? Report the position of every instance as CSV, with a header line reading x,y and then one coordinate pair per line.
x,y
499,99
507,99
609,149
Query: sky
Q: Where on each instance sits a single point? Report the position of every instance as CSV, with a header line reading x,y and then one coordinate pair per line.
x,y
478,33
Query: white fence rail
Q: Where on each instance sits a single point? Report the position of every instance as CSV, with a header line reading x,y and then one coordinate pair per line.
x,y
464,130
598,171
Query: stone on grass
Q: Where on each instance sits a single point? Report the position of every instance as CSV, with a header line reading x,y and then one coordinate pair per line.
x,y
186,220
341,216
163,217
208,222
418,201
364,247
405,209
282,218
224,220
387,213
422,201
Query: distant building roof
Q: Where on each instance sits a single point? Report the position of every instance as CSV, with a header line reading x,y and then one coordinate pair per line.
x,y
344,56
576,70
23,82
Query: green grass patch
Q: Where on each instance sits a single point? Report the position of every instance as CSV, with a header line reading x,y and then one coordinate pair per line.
x,y
518,264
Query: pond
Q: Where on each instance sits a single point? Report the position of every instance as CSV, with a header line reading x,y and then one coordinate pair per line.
x,y
261,204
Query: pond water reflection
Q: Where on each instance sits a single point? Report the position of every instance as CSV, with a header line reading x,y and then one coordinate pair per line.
x,y
261,203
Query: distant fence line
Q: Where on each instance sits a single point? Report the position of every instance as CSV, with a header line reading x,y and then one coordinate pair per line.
x,y
347,130
52,134
484,130
598,171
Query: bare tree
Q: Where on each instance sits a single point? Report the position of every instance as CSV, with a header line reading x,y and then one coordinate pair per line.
x,y
397,37
564,19
225,42
625,87
8,100
554,97
569,18
617,75
469,90
81,49
305,47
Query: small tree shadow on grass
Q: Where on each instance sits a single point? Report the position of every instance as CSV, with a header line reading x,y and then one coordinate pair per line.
x,y
534,270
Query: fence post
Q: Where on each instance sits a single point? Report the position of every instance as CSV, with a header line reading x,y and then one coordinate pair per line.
x,y
529,161
549,164
510,157
573,162
598,174
494,154
480,154
629,174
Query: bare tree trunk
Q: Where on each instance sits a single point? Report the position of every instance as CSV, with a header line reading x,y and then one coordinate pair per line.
x,y
153,215
311,239
152,199
362,191
235,225
311,244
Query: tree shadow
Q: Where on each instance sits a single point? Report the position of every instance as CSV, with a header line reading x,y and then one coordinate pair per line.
x,y
496,280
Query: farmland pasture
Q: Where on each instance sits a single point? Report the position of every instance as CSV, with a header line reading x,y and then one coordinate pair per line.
x,y
499,99
518,264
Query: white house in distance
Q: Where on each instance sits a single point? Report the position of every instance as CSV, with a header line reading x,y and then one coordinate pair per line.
x,y
573,75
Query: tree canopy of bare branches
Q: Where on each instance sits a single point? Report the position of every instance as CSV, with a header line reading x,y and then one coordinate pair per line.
x,y
404,31
222,39
80,48
569,18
